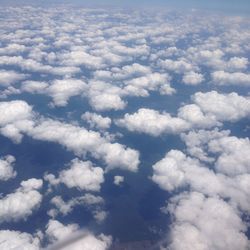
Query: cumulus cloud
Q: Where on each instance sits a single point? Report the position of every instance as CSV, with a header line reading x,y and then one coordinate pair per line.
x,y
62,90
8,77
96,121
34,86
65,207
152,122
59,90
234,156
104,96
18,240
82,175
209,109
202,222
6,168
179,66
15,116
225,107
68,237
222,186
80,141
192,78
118,180
21,204
227,78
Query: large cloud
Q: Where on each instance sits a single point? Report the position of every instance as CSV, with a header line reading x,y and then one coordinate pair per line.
x,y
21,204
152,122
205,223
82,175
69,238
18,240
209,109
17,117
227,78
10,77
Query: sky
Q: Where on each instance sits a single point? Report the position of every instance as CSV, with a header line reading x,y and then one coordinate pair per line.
x,y
124,127
229,6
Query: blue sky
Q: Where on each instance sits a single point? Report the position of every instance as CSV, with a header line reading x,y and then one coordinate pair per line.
x,y
240,6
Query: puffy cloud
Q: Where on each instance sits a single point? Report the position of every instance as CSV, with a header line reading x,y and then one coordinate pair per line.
x,y
192,78
202,222
78,57
88,200
176,170
193,114
81,141
10,77
97,121
118,180
139,86
21,204
125,72
237,63
34,86
227,78
179,66
234,155
15,116
62,90
59,90
104,96
18,240
67,237
152,122
196,142
6,168
225,107
209,110
82,175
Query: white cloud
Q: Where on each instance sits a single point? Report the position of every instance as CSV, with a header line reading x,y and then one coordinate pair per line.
x,y
18,240
82,175
21,204
15,116
97,121
81,141
65,207
140,86
192,78
69,238
179,66
196,142
118,180
34,86
78,57
234,155
152,122
8,77
237,63
62,90
227,78
6,168
59,90
225,107
104,96
193,114
202,223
